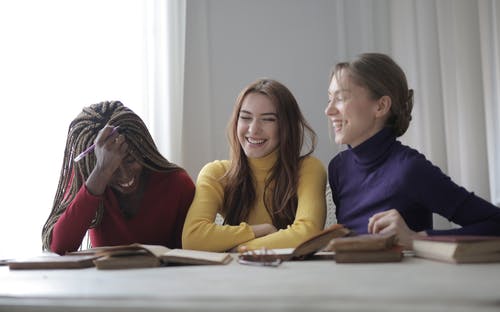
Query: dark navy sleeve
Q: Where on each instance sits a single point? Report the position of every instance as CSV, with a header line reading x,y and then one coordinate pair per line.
x,y
333,168
433,189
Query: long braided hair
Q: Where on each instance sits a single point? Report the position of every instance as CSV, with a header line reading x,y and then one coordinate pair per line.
x,y
280,191
82,132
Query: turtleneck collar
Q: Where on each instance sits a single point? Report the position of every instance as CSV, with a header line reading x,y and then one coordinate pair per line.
x,y
262,165
374,150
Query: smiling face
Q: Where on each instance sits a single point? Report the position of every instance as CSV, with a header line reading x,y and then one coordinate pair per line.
x,y
354,115
127,178
257,125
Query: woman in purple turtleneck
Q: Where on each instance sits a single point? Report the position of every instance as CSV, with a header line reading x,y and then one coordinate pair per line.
x,y
379,184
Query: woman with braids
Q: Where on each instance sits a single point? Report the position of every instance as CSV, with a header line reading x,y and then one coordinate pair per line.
x,y
269,194
124,192
378,184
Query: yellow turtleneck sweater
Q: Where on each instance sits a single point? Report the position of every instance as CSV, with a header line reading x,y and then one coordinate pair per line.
x,y
201,233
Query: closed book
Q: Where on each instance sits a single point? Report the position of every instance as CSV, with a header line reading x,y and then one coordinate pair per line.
x,y
52,262
458,248
130,261
364,242
393,254
366,248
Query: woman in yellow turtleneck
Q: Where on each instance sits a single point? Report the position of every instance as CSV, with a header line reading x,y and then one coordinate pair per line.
x,y
269,194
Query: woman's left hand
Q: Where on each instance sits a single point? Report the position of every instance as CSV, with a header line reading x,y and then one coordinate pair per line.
x,y
391,220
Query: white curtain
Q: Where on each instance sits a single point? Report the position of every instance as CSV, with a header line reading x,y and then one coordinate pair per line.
x,y
489,18
164,62
450,51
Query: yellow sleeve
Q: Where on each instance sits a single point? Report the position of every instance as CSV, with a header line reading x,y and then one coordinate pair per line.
x,y
311,210
200,231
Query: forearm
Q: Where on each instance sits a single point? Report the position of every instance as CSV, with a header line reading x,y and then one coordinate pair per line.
x,y
98,181
70,228
291,237
205,235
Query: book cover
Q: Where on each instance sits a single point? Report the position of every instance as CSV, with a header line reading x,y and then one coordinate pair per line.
x,y
366,248
52,262
393,254
319,241
306,250
365,242
458,248
131,261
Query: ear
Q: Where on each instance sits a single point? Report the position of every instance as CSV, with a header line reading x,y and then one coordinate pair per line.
x,y
383,107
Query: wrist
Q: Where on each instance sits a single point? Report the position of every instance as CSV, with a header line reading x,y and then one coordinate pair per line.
x,y
97,182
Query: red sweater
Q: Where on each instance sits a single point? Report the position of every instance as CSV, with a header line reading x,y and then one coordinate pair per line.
x,y
159,220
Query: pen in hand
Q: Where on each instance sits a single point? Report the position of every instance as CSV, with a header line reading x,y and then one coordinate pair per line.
x,y
91,148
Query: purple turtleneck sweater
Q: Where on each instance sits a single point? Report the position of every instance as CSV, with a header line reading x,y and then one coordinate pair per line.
x,y
382,174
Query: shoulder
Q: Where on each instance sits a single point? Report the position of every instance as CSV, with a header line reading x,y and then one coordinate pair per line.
x,y
414,166
312,163
312,167
408,158
215,169
339,160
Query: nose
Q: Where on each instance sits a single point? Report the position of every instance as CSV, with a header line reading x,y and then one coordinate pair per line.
x,y
254,127
122,172
331,109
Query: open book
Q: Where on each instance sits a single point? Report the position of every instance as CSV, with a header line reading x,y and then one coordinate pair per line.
x,y
306,249
140,256
458,249
120,257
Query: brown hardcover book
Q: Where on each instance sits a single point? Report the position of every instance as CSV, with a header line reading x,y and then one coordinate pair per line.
x,y
142,256
319,241
458,248
52,262
365,242
366,248
393,254
130,261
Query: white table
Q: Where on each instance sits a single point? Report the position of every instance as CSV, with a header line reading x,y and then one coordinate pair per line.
x,y
412,285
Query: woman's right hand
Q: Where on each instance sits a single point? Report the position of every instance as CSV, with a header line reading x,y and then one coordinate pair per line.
x,y
263,229
110,149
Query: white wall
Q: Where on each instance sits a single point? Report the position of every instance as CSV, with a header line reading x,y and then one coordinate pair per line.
x,y
231,43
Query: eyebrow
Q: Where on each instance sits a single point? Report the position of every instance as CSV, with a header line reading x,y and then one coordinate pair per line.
x,y
338,91
264,114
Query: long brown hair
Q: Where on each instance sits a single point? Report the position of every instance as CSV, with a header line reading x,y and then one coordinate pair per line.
x,y
81,133
379,74
280,193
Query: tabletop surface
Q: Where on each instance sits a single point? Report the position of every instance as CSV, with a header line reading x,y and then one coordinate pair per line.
x,y
321,285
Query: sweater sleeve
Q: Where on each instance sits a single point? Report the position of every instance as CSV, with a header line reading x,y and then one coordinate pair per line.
x,y
441,195
70,228
311,210
200,232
